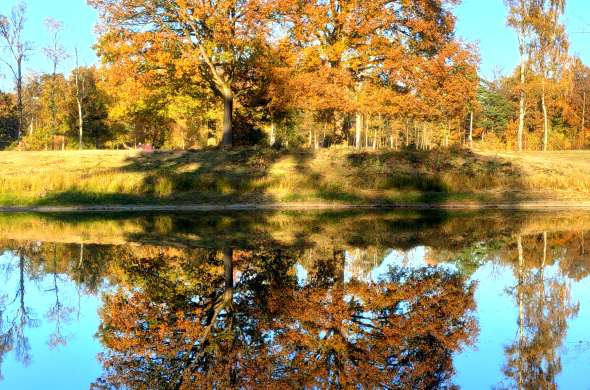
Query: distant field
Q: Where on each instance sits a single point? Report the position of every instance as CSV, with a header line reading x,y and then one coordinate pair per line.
x,y
264,176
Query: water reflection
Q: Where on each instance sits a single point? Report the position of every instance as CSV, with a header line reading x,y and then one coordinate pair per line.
x,y
387,301
544,307
241,319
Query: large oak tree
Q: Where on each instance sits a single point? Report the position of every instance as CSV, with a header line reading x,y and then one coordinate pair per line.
x,y
213,42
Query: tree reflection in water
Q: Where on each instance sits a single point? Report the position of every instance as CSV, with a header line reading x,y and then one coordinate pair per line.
x,y
319,310
544,307
249,323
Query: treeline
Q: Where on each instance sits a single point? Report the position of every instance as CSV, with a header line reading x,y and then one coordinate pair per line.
x,y
315,73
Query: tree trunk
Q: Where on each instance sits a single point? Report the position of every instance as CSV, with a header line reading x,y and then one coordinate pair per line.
x,y
366,137
228,108
80,123
79,102
19,97
391,139
471,130
272,133
374,139
447,133
544,249
584,121
522,98
358,129
545,120
228,268
315,139
81,257
407,137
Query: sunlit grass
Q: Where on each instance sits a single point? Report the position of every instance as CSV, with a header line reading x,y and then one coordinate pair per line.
x,y
261,175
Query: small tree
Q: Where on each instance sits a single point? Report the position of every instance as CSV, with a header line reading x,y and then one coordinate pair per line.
x,y
80,94
549,50
519,18
56,53
11,32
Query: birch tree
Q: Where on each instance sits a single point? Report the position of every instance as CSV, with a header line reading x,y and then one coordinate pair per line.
x,y
549,50
55,53
16,49
80,94
519,18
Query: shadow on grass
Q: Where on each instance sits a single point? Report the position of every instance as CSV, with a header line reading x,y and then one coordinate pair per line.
x,y
193,177
246,175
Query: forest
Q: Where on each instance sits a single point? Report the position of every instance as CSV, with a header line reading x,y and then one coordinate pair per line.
x,y
381,74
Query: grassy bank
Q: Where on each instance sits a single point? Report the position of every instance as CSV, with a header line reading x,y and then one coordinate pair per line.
x,y
264,176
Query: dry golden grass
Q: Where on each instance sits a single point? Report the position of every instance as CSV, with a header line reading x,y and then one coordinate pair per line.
x,y
559,174
28,177
262,175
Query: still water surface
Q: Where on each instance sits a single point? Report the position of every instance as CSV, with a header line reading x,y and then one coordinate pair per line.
x,y
295,300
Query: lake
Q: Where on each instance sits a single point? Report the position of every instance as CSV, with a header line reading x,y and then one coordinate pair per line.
x,y
398,299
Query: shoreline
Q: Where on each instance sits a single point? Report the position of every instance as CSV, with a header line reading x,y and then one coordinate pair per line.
x,y
205,207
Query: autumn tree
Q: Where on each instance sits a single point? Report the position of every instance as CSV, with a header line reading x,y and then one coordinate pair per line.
x,y
175,323
339,335
357,58
549,50
544,307
8,119
55,53
576,111
51,107
47,115
87,107
218,41
520,14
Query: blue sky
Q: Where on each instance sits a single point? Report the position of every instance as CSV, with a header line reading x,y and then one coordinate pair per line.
x,y
79,20
482,21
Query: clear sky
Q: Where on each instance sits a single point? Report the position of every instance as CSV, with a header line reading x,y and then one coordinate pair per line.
x,y
482,21
78,19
